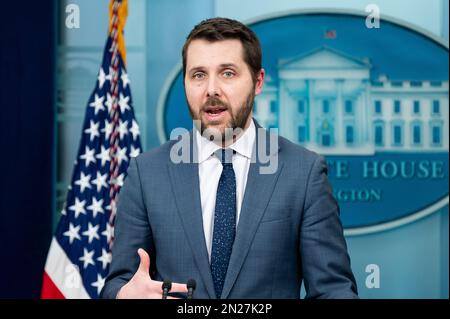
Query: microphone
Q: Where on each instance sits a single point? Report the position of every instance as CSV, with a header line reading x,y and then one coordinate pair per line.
x,y
166,286
191,284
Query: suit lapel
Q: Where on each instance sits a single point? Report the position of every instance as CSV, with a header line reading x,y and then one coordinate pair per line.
x,y
186,186
258,192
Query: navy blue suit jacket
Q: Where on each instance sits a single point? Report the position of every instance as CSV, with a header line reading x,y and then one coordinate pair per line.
x,y
289,229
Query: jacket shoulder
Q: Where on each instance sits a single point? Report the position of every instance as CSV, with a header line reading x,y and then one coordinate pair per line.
x,y
160,154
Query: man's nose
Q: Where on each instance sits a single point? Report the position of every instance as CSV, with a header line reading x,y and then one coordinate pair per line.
x,y
213,89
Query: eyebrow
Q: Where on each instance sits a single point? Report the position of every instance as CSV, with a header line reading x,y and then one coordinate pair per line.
x,y
228,65
222,66
195,69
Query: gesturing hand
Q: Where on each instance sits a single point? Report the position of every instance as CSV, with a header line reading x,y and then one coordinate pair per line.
x,y
141,285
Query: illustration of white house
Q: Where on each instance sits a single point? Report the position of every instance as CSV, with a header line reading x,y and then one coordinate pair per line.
x,y
326,101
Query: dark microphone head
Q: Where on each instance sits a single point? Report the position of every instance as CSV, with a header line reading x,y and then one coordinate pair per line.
x,y
191,284
167,284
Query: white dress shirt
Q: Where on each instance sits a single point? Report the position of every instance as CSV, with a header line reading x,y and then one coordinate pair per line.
x,y
210,169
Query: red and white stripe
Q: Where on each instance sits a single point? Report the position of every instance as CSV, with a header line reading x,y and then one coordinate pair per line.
x,y
61,279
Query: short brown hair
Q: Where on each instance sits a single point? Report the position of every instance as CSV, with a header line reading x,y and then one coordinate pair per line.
x,y
217,29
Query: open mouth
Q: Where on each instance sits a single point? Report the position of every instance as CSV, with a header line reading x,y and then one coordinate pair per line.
x,y
215,111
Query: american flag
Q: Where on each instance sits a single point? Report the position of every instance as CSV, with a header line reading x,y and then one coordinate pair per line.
x,y
80,252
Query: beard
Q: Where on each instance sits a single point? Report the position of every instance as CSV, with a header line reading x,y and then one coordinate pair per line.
x,y
237,121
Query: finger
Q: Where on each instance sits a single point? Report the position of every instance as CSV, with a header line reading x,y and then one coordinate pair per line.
x,y
144,264
178,288
169,297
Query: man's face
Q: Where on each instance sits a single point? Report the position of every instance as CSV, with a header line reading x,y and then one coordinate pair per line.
x,y
219,86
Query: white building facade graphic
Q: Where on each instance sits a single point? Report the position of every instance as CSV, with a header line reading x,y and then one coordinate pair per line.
x,y
326,101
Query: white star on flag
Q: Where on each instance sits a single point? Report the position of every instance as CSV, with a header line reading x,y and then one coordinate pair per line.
x,y
102,77
119,180
123,103
99,283
87,258
107,129
100,181
96,206
78,207
88,156
91,233
83,182
92,130
125,79
123,128
103,155
134,129
108,232
121,155
98,103
72,233
109,102
105,258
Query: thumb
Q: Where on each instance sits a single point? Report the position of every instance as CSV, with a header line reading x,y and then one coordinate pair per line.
x,y
144,265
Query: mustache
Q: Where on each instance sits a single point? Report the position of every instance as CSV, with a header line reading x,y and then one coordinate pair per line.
x,y
213,101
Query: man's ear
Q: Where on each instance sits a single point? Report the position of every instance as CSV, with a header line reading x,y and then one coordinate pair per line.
x,y
259,81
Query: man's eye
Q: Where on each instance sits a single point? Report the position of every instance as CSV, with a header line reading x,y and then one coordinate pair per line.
x,y
228,74
198,76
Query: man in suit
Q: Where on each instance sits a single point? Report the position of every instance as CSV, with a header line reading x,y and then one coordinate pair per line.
x,y
219,218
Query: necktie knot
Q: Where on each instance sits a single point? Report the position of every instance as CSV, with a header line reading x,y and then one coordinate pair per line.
x,y
225,156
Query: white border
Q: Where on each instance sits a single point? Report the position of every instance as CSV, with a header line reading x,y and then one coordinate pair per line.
x,y
398,222
402,23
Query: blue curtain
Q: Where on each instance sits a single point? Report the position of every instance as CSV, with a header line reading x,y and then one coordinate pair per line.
x,y
27,58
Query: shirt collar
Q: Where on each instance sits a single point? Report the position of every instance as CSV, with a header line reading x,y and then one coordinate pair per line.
x,y
243,145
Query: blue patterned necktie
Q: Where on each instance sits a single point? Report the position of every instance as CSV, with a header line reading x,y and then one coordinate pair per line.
x,y
224,221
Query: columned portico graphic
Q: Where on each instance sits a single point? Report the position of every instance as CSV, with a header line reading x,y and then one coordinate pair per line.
x,y
327,101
